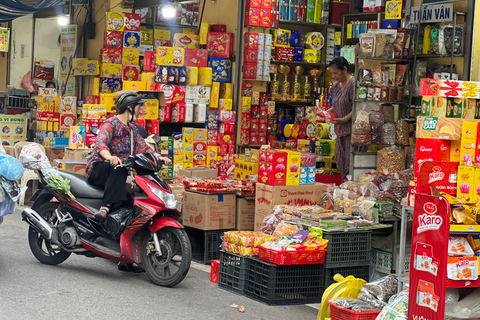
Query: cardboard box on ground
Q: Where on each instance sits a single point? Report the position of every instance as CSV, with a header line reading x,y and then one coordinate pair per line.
x,y
266,197
209,212
245,214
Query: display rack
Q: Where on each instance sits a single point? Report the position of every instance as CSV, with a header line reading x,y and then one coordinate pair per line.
x,y
347,17
403,106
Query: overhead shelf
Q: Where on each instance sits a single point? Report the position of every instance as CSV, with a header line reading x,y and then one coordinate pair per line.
x,y
310,24
299,63
385,59
382,101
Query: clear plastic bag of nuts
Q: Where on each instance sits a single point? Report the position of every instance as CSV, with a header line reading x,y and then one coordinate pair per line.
x,y
377,119
410,157
388,132
391,159
401,133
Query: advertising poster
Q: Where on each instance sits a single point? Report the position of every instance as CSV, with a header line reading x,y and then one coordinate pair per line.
x,y
4,39
67,53
428,269
13,129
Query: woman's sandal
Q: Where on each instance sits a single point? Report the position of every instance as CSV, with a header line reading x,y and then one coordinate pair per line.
x,y
102,213
130,267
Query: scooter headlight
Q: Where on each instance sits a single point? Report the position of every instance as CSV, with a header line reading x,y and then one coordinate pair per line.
x,y
167,198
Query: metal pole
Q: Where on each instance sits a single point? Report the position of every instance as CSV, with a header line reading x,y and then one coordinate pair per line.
x,y
238,66
401,253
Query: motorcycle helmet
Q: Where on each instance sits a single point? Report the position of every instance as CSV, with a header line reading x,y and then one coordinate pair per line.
x,y
128,100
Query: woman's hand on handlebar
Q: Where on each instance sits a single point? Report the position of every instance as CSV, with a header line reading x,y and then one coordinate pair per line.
x,y
166,161
115,161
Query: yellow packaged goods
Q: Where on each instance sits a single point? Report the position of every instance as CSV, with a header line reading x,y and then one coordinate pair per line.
x,y
108,100
204,29
226,90
465,183
187,136
199,134
79,66
282,38
314,40
293,168
428,106
215,95
469,109
112,70
131,56
134,85
150,110
455,150
115,21
192,76
161,34
170,56
439,128
93,68
246,104
477,186
182,40
225,104
468,143
68,105
94,111
95,86
77,138
187,154
247,238
205,76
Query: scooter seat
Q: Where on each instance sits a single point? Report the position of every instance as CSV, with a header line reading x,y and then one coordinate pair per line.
x,y
79,186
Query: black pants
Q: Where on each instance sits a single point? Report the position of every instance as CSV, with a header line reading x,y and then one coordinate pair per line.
x,y
113,182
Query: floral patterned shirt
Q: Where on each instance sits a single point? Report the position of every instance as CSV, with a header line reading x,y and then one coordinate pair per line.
x,y
114,136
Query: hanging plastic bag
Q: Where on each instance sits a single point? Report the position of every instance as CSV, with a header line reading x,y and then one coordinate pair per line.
x,y
7,206
10,168
12,188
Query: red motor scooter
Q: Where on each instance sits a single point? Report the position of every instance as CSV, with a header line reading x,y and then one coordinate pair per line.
x,y
147,234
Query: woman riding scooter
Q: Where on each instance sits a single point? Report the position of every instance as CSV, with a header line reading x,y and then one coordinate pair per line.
x,y
118,138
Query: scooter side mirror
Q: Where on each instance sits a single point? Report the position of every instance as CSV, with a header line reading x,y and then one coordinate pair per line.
x,y
94,130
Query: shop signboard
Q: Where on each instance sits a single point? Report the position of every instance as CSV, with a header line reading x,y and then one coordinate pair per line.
x,y
428,266
433,13
4,39
67,53
13,128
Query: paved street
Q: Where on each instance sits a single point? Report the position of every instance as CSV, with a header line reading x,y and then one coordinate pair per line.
x,y
93,288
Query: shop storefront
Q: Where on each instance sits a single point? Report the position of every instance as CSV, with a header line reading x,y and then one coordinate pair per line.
x,y
284,178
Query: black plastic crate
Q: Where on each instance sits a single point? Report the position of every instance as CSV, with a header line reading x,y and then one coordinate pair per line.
x,y
284,285
348,248
205,244
233,272
360,271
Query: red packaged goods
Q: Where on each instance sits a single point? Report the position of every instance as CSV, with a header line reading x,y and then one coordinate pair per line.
x,y
246,120
250,56
266,4
149,61
113,39
284,54
164,113
178,94
265,18
247,89
273,167
218,27
437,175
153,127
214,270
168,91
220,44
212,136
89,99
178,112
245,137
109,55
249,71
226,138
251,40
132,21
227,127
338,8
254,3
196,58
431,150
130,73
252,17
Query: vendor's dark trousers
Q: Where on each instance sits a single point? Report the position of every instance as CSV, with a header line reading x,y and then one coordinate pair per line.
x,y
113,182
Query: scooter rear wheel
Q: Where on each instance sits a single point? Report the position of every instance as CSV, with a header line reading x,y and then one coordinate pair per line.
x,y
42,249
171,267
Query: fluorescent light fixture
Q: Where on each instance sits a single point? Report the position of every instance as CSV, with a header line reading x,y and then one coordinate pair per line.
x,y
168,11
62,20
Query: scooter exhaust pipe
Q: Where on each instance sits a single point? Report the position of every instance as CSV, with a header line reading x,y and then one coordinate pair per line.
x,y
38,223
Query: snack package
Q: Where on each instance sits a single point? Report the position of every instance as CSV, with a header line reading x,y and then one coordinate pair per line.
x,y
459,247
367,44
284,230
462,268
383,288
384,43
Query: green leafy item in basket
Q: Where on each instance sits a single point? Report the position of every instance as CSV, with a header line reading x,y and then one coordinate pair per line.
x,y
61,185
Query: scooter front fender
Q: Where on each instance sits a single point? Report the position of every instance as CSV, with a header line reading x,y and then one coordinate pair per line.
x,y
160,222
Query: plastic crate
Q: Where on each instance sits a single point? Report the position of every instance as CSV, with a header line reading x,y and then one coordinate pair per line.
x,y
339,313
291,257
383,259
284,285
233,272
346,248
205,244
360,271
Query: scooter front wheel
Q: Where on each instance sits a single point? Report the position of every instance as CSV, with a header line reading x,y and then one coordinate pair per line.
x,y
170,266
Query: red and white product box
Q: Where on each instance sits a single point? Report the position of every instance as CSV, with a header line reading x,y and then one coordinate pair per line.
x,y
67,120
168,91
250,56
251,41
225,138
252,17
132,21
265,18
149,61
431,150
212,136
220,44
227,127
250,71
441,175
254,3
179,94
178,112
247,88
89,99
199,154
284,54
153,127
218,28
164,113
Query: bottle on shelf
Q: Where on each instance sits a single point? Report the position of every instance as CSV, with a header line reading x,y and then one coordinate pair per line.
x,y
315,98
321,98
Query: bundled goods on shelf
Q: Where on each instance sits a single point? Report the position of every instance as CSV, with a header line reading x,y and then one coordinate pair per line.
x,y
244,243
264,13
257,56
437,39
240,187
356,28
381,81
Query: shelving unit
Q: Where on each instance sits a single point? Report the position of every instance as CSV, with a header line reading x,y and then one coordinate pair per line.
x,y
403,106
378,15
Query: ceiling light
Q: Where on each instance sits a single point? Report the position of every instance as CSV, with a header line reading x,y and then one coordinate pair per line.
x,y
169,11
63,21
